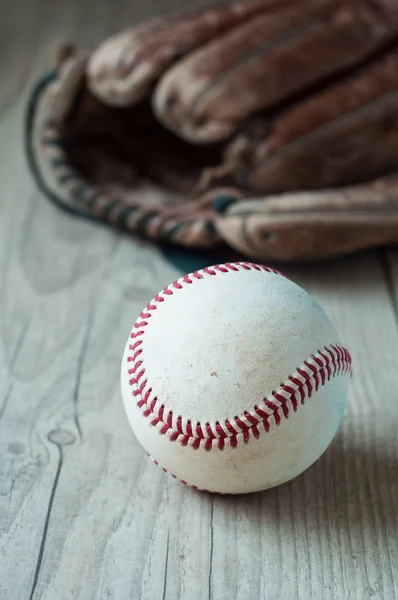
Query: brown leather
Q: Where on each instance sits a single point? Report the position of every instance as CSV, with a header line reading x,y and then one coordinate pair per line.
x,y
345,133
316,225
124,68
264,62
270,126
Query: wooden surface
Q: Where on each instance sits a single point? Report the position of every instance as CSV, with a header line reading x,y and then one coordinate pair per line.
x,y
83,513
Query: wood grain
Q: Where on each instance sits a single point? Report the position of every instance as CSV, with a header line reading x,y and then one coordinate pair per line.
x,y
83,513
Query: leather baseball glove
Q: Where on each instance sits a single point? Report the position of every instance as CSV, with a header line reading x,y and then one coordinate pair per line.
x,y
268,125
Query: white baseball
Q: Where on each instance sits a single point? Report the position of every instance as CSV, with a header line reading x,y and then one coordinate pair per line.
x,y
233,379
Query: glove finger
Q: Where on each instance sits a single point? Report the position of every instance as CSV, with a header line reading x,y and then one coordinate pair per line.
x,y
123,69
264,61
120,167
316,225
347,133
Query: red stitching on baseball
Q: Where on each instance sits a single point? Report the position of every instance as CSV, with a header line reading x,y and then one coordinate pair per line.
x,y
279,397
292,396
240,424
321,367
263,415
255,431
135,367
307,378
136,334
229,427
233,441
208,444
179,425
137,377
209,431
333,358
135,355
269,404
327,365
277,417
231,267
138,392
219,430
252,420
199,432
196,443
285,410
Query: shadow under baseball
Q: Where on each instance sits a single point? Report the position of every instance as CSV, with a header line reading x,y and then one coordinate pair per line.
x,y
353,485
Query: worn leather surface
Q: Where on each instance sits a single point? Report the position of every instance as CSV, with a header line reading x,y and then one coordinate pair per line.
x,y
269,126
215,377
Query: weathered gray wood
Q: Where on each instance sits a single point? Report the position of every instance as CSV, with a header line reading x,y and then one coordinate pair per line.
x,y
83,513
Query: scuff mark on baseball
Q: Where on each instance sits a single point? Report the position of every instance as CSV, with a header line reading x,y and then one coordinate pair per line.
x,y
279,376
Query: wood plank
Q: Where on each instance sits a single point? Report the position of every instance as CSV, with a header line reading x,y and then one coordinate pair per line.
x,y
83,513
360,489
52,327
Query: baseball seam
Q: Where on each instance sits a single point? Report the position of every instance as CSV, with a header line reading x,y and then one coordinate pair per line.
x,y
191,485
319,368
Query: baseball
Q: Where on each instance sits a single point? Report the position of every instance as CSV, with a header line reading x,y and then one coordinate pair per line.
x,y
233,379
